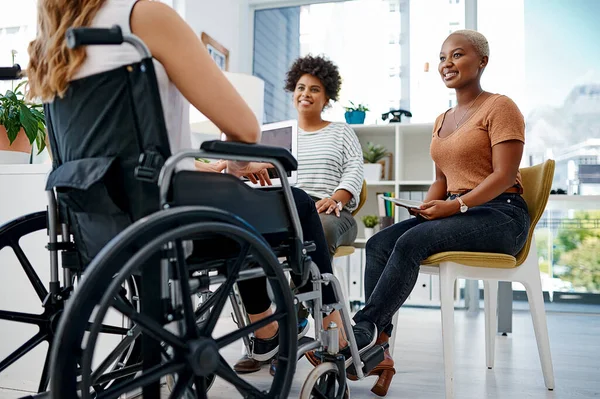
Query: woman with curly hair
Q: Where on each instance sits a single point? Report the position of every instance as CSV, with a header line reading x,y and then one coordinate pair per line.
x,y
330,161
330,170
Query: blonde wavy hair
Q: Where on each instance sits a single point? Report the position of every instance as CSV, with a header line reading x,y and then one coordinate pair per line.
x,y
51,63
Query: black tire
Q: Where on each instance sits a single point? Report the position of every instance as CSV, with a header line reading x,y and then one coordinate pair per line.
x,y
129,252
325,382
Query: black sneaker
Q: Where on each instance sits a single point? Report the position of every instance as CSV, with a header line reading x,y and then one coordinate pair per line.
x,y
264,349
365,334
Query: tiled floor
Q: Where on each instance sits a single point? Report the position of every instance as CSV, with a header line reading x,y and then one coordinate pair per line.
x,y
574,338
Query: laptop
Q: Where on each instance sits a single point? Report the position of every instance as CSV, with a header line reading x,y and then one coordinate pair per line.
x,y
279,134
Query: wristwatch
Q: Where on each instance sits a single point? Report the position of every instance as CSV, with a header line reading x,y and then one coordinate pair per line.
x,y
463,206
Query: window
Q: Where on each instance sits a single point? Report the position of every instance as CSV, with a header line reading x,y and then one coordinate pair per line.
x,y
17,29
283,34
430,24
561,105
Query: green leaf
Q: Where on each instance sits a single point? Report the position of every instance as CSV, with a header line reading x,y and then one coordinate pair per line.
x,y
39,115
29,123
40,143
20,85
11,96
12,131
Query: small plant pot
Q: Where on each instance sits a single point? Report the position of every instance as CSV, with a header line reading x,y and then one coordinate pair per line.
x,y
17,153
355,117
369,232
372,171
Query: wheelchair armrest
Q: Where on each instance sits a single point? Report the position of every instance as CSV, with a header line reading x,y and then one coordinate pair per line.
x,y
287,160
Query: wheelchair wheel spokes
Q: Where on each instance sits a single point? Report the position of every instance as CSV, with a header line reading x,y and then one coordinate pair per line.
x,y
182,385
227,373
106,329
250,328
45,378
201,385
147,377
193,358
223,295
98,376
10,235
28,346
26,318
181,272
147,325
34,279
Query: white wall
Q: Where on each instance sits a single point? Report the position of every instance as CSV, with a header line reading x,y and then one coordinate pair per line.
x,y
226,21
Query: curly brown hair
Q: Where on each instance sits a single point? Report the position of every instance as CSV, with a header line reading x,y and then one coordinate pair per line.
x,y
321,68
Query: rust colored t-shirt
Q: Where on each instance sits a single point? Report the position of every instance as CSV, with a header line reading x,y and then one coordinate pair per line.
x,y
465,156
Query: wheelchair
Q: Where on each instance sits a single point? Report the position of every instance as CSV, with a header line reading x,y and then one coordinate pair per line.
x,y
139,238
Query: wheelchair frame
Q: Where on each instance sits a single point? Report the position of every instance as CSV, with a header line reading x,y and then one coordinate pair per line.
x,y
326,341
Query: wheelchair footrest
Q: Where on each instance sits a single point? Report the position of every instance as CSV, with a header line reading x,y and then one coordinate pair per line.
x,y
373,357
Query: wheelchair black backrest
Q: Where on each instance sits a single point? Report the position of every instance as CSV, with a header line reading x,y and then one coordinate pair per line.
x,y
108,142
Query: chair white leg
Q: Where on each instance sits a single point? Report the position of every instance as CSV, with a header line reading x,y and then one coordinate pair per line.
x,y
540,327
447,277
491,320
394,332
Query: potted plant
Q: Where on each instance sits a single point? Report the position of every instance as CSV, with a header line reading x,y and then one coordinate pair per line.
x,y
370,221
355,115
21,124
372,155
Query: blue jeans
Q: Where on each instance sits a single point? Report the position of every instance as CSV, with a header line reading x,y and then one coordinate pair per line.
x,y
394,255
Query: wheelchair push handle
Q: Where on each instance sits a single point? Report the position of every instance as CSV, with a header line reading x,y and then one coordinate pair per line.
x,y
11,73
104,36
92,36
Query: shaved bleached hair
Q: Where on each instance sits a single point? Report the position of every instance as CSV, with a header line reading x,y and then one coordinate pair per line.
x,y
476,39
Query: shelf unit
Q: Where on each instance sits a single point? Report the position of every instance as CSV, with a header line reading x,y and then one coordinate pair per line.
x,y
413,169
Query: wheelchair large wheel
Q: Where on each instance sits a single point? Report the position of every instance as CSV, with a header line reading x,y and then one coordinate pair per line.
x,y
325,382
10,236
190,352
47,322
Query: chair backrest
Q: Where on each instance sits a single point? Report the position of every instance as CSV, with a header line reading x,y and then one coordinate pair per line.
x,y
537,182
363,198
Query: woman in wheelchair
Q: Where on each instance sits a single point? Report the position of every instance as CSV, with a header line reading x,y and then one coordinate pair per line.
x,y
114,118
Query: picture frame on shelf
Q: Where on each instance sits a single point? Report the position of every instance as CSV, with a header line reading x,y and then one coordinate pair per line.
x,y
387,167
217,51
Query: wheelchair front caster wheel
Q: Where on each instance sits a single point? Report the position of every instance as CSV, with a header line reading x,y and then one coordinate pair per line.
x,y
325,381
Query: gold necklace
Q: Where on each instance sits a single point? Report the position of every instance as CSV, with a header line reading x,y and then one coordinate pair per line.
x,y
454,112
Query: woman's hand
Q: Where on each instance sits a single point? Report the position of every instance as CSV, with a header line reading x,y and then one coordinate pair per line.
x,y
438,209
216,167
254,171
327,205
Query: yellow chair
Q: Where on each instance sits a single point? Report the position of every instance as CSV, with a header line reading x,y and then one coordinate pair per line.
x,y
347,250
493,267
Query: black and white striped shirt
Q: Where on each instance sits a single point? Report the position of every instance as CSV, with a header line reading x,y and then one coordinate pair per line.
x,y
330,159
